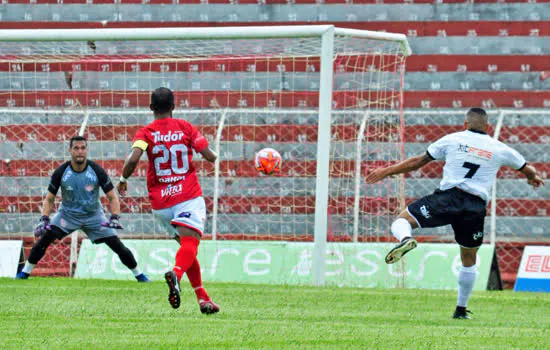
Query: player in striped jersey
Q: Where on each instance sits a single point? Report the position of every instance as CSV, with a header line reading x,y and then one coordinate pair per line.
x,y
472,160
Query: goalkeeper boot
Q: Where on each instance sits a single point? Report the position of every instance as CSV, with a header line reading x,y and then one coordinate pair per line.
x,y
208,306
174,285
143,278
22,275
406,245
462,313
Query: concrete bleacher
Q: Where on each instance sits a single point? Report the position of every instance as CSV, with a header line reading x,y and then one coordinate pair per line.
x,y
411,28
112,131
213,81
462,51
228,13
490,54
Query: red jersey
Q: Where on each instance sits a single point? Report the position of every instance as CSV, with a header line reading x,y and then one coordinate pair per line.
x,y
171,176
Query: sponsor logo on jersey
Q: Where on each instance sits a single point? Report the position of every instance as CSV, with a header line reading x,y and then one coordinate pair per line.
x,y
91,175
175,136
171,190
171,179
478,235
67,175
69,188
89,188
480,153
425,212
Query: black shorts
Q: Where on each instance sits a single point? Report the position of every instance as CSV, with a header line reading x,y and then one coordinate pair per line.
x,y
463,211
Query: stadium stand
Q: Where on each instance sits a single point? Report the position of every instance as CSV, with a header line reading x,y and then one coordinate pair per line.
x,y
492,54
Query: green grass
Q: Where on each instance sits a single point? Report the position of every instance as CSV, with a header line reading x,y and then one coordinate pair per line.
x,y
65,313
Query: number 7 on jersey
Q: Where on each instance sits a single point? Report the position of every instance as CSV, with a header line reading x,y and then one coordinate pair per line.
x,y
473,168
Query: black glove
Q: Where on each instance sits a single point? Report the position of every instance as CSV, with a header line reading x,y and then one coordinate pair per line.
x,y
43,226
113,222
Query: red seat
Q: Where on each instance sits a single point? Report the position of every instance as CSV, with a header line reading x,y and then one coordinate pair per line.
x,y
267,133
300,99
412,29
244,168
277,204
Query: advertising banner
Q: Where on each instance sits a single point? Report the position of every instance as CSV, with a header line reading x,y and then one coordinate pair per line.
x,y
534,270
433,266
10,252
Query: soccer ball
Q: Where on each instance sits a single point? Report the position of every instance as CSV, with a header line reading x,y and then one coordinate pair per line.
x,y
268,161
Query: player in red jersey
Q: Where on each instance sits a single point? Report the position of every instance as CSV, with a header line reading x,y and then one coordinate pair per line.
x,y
174,189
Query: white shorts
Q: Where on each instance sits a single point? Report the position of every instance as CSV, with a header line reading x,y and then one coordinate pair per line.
x,y
190,214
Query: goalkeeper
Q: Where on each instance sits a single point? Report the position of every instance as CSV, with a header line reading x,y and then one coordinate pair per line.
x,y
80,209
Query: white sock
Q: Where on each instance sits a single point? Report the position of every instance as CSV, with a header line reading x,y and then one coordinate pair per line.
x,y
466,279
137,271
28,267
401,228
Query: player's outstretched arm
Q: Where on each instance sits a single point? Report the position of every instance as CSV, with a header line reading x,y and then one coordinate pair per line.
x,y
49,204
209,155
532,178
129,167
115,211
405,166
47,209
113,202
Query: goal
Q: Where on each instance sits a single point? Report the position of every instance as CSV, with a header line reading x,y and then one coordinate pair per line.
x,y
328,99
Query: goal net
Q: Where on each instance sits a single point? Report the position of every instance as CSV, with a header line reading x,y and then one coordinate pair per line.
x,y
244,89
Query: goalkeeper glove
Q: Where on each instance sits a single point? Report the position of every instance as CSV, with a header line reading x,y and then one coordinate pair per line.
x,y
43,227
113,222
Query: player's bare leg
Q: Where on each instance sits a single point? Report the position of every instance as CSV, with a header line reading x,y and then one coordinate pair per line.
x,y
402,230
466,279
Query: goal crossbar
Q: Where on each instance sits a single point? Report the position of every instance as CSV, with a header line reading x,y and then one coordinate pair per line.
x,y
122,34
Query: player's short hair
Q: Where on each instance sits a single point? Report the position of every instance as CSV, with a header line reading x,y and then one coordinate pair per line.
x,y
162,100
77,138
478,111
477,119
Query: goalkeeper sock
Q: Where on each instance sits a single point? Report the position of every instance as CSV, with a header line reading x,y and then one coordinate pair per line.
x,y
466,279
195,278
401,229
28,267
185,255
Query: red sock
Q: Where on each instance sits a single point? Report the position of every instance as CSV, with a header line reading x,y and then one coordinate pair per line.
x,y
186,255
195,278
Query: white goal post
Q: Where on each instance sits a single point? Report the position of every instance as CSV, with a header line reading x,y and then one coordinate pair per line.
x,y
367,93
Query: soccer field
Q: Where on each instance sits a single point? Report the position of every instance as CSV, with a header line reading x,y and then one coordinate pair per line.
x,y
67,313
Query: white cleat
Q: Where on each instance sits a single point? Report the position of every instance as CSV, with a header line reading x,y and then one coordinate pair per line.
x,y
401,249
